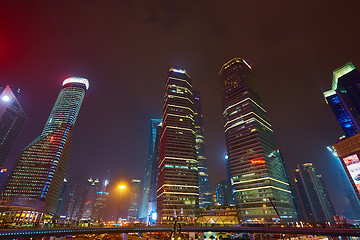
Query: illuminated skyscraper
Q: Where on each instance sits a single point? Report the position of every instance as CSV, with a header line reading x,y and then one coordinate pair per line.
x,y
134,200
178,186
12,120
92,187
256,169
36,179
344,98
205,195
149,170
62,198
154,177
311,194
224,193
100,202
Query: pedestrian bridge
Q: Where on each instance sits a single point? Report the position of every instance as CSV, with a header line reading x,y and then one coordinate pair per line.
x,y
60,232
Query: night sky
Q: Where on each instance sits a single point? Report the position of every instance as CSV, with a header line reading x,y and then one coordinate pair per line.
x,y
125,50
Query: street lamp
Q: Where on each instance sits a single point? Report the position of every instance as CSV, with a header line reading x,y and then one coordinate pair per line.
x,y
121,187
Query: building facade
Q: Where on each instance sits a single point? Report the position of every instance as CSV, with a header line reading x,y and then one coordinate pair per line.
x,y
37,177
152,209
224,193
178,186
313,200
205,194
12,120
100,202
348,151
134,200
64,193
149,170
344,98
256,169
91,188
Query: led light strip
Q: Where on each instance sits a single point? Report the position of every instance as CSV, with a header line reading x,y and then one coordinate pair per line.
x,y
174,96
176,86
182,159
242,102
178,193
181,80
253,180
239,123
246,115
249,189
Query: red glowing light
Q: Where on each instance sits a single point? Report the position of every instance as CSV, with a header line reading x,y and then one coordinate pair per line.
x,y
258,161
51,139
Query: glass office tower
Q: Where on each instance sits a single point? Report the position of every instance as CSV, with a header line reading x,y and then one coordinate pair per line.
x,y
154,177
178,186
12,120
257,171
224,193
312,197
37,177
205,195
134,200
149,170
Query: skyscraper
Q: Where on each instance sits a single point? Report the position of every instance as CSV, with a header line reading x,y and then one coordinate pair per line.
x,y
36,179
100,202
344,98
312,197
256,168
205,195
91,188
12,120
134,200
224,193
344,182
178,186
149,171
62,198
154,177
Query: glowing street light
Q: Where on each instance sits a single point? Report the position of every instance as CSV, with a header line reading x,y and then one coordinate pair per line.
x,y
121,187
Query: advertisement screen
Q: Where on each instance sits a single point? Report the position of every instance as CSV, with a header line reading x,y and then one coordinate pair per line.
x,y
353,165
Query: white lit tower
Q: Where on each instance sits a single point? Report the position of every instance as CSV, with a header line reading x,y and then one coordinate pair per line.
x,y
178,184
256,168
36,179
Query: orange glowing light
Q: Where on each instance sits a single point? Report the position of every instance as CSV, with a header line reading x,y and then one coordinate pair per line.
x,y
258,161
51,139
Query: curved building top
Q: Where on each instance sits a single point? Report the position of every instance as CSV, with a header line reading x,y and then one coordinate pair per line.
x,y
232,61
179,70
77,80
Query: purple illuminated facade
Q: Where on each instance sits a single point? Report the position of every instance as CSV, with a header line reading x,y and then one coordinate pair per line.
x,y
35,181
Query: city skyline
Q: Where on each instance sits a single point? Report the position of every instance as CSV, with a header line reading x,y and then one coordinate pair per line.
x,y
293,60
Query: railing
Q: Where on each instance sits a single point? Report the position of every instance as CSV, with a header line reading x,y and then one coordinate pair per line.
x,y
25,233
